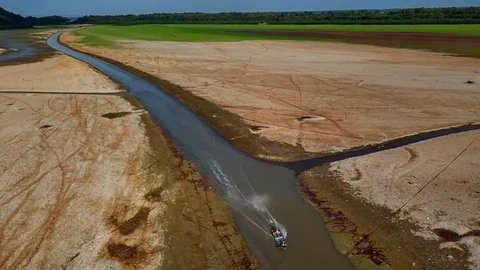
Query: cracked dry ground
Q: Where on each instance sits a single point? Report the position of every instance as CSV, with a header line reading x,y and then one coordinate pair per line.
x,y
310,97
81,188
420,204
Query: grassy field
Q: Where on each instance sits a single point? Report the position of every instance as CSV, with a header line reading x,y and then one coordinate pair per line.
x,y
463,40
106,35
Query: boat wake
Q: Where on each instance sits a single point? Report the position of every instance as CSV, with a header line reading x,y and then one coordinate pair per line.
x,y
246,201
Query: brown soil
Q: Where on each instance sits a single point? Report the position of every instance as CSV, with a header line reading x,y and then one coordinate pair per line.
x,y
123,252
352,219
309,97
322,97
455,44
114,115
192,213
55,74
80,190
436,190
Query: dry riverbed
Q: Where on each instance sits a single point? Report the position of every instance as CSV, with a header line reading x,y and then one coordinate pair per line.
x,y
309,97
55,74
89,181
290,100
419,205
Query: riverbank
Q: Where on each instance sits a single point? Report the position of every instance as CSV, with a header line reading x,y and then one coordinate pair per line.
x,y
253,90
25,46
307,101
54,74
415,196
77,158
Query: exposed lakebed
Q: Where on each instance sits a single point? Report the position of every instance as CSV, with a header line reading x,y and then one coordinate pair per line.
x,y
257,191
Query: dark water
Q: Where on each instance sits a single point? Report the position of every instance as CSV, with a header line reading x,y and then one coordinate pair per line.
x,y
255,190
20,46
304,165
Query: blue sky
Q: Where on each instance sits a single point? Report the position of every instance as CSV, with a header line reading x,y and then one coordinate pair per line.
x,y
83,7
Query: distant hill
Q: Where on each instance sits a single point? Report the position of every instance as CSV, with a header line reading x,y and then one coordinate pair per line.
x,y
10,20
454,15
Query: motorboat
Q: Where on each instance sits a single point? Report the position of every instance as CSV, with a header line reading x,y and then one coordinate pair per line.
x,y
278,236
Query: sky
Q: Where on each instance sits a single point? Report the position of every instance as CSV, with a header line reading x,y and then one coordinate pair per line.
x,y
111,7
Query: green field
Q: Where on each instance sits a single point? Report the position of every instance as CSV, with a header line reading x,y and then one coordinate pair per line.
x,y
106,35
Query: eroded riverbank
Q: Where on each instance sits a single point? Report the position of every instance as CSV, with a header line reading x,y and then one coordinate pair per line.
x,y
256,191
419,88
311,98
77,158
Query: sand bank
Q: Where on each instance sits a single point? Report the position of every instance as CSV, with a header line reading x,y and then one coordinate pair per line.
x,y
90,181
318,97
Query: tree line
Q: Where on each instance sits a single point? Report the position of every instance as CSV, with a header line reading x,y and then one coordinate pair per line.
x,y
10,20
453,15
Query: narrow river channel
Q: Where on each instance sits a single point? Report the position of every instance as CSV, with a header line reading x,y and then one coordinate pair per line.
x,y
256,191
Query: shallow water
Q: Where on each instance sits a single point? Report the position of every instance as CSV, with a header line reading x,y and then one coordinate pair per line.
x,y
20,46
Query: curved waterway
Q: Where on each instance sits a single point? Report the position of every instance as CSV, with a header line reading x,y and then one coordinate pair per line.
x,y
303,165
256,191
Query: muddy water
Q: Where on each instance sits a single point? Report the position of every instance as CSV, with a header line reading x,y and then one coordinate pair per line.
x,y
20,46
255,190
307,164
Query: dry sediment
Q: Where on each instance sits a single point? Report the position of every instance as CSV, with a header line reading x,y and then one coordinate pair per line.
x,y
321,97
55,74
90,181
314,97
422,196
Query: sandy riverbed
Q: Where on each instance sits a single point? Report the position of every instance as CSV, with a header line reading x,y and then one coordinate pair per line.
x,y
320,96
447,208
55,74
433,185
330,96
90,181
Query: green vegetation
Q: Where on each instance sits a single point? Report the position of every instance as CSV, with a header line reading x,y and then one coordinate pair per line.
x,y
9,20
107,34
454,15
